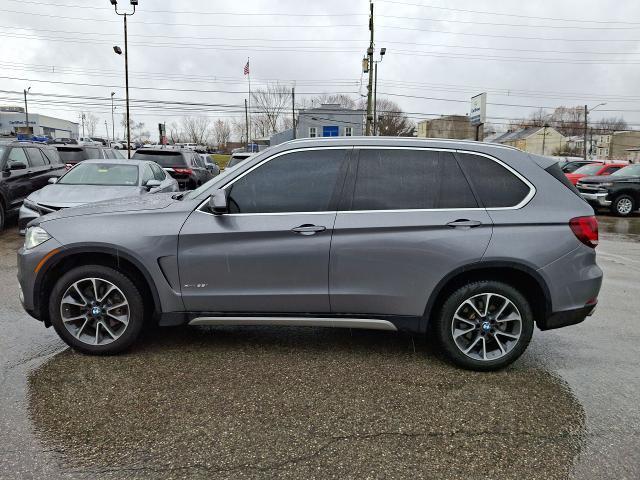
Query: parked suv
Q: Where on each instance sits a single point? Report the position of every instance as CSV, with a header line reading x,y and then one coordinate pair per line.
x,y
72,154
25,167
472,243
186,166
619,192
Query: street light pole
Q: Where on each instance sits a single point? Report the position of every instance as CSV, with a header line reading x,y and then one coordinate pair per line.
x,y
113,123
586,115
370,65
126,65
26,109
375,91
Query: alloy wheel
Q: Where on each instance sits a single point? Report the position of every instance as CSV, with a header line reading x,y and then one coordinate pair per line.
x,y
94,311
486,326
624,206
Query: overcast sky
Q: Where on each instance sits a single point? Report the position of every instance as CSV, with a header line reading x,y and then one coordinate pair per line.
x,y
523,54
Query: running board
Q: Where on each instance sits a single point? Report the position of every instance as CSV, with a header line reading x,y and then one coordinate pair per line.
x,y
367,323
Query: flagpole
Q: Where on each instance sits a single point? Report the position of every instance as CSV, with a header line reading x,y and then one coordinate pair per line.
x,y
249,126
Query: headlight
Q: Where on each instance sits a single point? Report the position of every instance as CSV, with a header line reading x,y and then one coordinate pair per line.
x,y
30,204
34,237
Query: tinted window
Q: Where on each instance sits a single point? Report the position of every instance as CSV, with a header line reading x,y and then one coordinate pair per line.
x,y
610,170
35,157
52,155
389,179
496,185
588,169
72,155
162,158
93,152
198,161
295,182
17,155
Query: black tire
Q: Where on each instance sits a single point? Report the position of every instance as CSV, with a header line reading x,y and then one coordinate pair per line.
x,y
621,202
445,318
2,217
122,282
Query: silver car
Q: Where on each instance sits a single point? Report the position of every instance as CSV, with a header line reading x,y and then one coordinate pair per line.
x,y
95,181
475,244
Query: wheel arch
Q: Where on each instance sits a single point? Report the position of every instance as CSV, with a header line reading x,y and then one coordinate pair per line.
x,y
632,192
118,259
519,275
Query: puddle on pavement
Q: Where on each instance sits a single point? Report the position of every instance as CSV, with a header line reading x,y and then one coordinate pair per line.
x,y
299,403
627,227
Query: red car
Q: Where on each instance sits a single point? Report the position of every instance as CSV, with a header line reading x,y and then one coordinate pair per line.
x,y
594,169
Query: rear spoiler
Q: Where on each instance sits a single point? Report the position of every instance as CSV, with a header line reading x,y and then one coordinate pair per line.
x,y
543,162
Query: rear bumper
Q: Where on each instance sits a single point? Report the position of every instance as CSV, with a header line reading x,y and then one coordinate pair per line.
x,y
598,199
566,318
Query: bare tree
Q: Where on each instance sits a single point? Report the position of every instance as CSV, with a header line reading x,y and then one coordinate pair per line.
x,y
610,125
221,133
195,129
174,133
239,129
270,104
341,99
392,121
90,123
136,128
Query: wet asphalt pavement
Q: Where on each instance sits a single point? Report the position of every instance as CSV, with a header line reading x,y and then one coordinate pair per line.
x,y
258,402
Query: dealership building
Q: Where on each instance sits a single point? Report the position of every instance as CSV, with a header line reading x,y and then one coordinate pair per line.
x,y
13,121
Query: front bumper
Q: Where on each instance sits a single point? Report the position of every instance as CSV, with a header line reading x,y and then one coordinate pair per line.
x,y
599,199
24,217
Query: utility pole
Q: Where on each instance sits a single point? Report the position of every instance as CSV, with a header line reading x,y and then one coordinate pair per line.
x,y
544,137
106,127
370,85
82,118
375,91
26,109
293,110
586,114
113,123
246,119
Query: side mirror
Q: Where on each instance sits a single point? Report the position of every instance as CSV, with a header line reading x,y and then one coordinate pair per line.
x,y
53,180
218,202
151,184
16,166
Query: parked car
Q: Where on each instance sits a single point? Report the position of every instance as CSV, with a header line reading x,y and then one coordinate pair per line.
x,y
64,141
619,192
26,167
474,243
572,165
95,181
101,141
238,158
72,154
184,165
88,141
210,164
593,170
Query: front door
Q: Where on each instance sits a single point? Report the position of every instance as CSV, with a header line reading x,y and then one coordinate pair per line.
x,y
410,219
330,131
270,253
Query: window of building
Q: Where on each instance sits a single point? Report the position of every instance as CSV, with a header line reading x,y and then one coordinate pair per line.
x,y
296,182
313,132
496,186
348,131
420,179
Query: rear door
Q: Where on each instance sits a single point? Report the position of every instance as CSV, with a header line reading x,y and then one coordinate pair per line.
x,y
38,169
409,218
271,252
17,181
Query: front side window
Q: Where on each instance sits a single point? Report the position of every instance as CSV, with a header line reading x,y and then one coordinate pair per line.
x,y
17,155
147,175
295,182
496,186
158,173
313,132
394,179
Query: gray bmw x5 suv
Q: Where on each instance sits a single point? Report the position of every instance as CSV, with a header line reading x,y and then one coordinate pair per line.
x,y
473,243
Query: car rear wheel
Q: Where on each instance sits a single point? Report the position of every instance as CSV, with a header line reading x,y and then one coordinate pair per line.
x,y
96,310
484,325
624,205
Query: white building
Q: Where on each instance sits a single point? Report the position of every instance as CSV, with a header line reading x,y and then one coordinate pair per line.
x,y
11,122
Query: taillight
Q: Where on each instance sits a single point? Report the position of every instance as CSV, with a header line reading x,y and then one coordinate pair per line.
x,y
586,230
182,171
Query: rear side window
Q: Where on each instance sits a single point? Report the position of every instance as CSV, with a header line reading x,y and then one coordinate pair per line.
x,y
52,155
496,186
163,158
35,157
296,182
391,179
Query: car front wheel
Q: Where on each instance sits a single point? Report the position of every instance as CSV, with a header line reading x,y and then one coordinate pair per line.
x,y
484,325
96,310
624,205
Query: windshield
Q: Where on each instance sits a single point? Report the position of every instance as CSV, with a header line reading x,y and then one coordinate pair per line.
x,y
101,174
236,160
628,171
162,158
589,169
2,149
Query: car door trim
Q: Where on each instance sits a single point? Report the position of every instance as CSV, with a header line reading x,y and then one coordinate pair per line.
x,y
365,323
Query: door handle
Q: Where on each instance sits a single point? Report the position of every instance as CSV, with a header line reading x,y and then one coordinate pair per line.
x,y
464,223
308,229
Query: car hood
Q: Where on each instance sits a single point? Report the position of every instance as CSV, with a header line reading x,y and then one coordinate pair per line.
x,y
609,178
63,196
155,201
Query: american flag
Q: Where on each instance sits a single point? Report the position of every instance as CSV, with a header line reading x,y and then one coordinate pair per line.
x,y
246,68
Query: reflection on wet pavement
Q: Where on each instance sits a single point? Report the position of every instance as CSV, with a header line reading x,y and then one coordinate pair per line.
x,y
299,403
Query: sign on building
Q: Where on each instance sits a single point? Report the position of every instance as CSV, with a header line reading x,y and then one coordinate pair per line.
x,y
478,111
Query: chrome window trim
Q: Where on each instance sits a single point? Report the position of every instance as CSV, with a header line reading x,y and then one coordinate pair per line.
x,y
523,202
